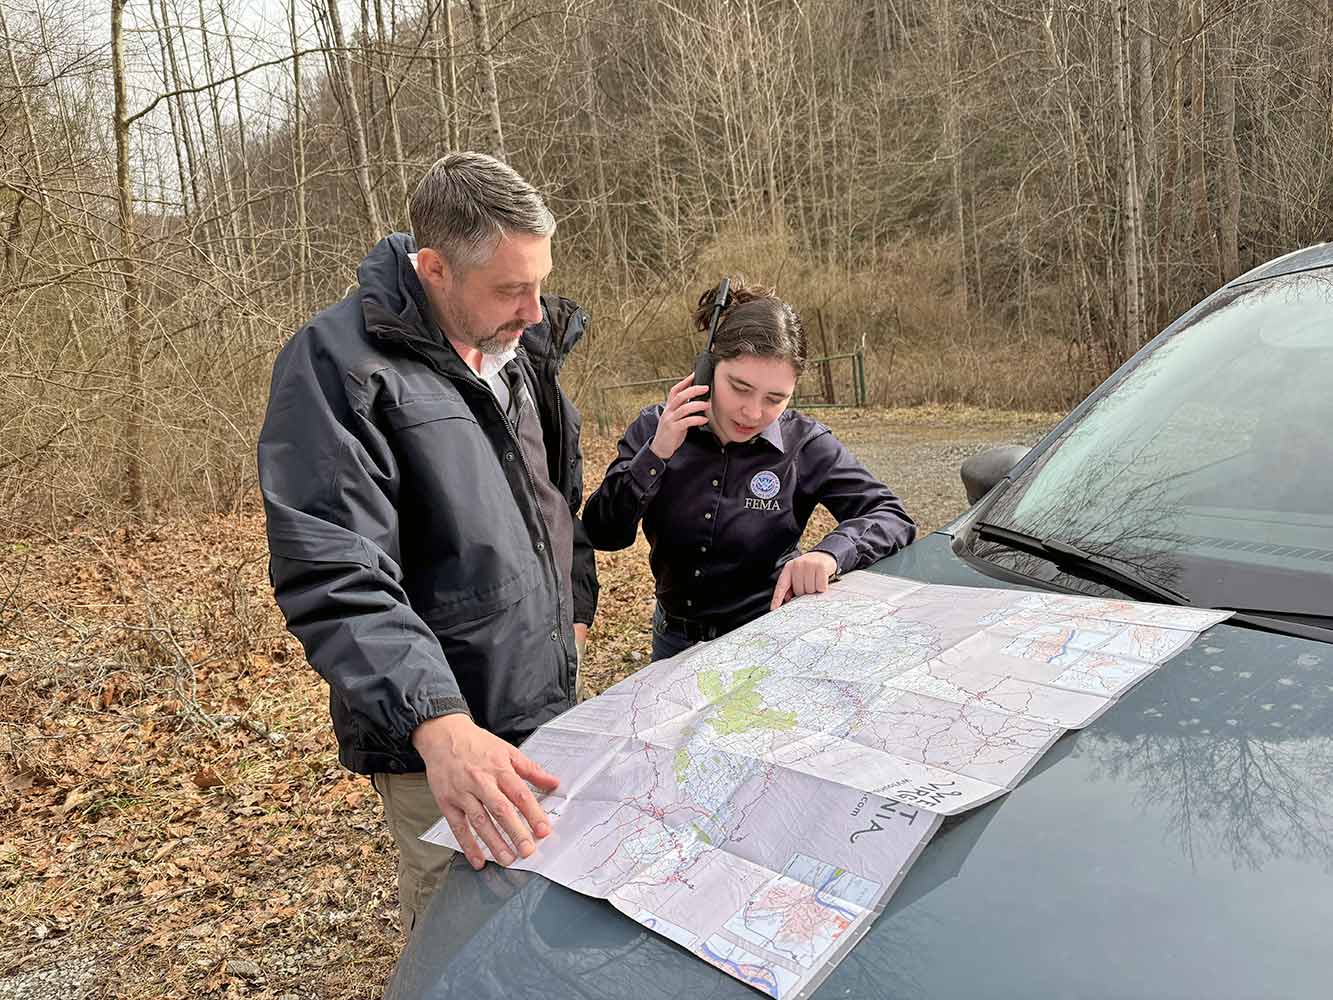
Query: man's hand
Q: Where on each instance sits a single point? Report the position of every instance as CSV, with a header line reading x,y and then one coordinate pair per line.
x,y
682,412
807,574
480,784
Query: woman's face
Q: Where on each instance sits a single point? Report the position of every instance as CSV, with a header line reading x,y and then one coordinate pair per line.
x,y
749,393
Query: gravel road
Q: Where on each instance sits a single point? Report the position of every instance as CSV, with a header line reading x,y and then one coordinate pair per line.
x,y
919,457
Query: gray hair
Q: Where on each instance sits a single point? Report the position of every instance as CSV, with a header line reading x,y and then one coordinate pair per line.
x,y
468,202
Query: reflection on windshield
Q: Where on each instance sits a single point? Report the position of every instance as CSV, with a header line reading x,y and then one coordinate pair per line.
x,y
1209,468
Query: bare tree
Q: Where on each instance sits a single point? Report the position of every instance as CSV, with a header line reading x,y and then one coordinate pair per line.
x,y
132,314
489,89
446,105
1130,202
386,73
298,165
345,90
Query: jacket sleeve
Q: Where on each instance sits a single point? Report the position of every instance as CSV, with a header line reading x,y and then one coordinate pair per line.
x,y
871,520
613,512
584,575
328,479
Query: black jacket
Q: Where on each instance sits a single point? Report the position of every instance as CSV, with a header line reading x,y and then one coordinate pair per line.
x,y
407,548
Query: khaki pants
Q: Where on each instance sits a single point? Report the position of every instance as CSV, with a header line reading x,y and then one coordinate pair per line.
x,y
410,809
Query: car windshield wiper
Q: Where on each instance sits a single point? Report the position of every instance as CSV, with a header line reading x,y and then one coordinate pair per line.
x,y
1076,562
1313,619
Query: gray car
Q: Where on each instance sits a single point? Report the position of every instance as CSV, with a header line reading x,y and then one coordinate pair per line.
x,y
1182,845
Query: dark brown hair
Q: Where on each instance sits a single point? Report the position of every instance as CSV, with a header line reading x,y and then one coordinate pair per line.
x,y
755,322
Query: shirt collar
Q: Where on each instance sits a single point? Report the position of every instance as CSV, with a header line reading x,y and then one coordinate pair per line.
x,y
773,435
490,363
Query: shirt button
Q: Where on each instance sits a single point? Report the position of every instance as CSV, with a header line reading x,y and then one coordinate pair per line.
x,y
555,636
698,572
652,472
541,546
716,483
708,517
509,456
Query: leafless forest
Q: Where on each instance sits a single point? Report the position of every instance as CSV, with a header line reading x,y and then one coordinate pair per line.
x,y
1006,197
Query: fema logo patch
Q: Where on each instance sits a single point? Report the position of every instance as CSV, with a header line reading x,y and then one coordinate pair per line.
x,y
765,485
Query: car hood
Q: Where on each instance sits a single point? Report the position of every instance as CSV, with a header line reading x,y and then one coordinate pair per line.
x,y
1180,846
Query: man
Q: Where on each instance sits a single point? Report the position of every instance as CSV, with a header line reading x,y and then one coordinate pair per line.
x,y
421,471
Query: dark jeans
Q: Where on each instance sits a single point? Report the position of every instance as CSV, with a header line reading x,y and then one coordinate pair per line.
x,y
672,635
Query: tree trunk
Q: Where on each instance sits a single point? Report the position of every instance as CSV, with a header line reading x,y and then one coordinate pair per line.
x,y
489,89
1229,216
224,178
953,144
391,105
132,444
176,140
1149,170
187,137
220,242
354,124
25,109
1204,230
1179,83
298,168
1130,213
601,196
247,189
446,106
451,51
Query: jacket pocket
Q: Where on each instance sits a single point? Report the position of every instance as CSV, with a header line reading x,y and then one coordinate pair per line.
x,y
450,608
426,409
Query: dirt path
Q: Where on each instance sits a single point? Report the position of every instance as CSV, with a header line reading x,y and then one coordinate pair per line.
x,y
918,452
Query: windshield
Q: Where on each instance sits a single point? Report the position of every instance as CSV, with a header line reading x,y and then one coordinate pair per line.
x,y
1209,468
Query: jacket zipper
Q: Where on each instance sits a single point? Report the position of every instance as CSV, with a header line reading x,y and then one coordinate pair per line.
x,y
532,489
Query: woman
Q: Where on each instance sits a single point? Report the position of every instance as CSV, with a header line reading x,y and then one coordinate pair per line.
x,y
725,486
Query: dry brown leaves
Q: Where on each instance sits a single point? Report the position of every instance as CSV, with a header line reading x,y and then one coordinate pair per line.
x,y
172,804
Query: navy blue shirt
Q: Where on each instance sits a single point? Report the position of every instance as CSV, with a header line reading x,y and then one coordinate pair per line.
x,y
722,520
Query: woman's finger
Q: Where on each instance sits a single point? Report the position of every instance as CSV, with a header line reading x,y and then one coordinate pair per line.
x,y
783,588
674,392
692,407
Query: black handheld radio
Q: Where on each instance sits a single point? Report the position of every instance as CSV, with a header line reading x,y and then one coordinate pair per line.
x,y
704,362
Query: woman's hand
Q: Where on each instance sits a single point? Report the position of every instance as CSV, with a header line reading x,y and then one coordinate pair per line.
x,y
807,574
683,411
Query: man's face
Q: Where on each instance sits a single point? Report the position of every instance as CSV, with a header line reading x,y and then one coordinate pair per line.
x,y
487,306
749,393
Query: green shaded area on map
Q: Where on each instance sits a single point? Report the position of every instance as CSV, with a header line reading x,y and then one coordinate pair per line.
x,y
740,708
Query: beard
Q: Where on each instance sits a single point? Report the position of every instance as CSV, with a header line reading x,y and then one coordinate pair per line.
x,y
464,329
500,340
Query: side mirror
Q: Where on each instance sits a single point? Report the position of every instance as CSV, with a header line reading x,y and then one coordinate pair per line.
x,y
981,472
